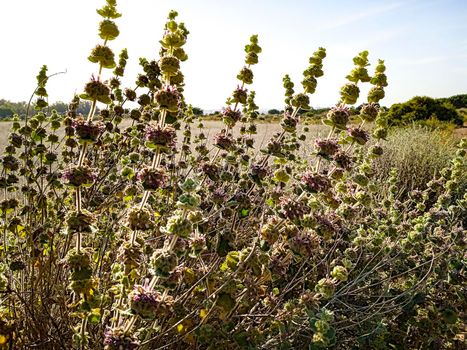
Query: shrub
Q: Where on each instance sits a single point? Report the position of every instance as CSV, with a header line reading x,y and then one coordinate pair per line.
x,y
417,154
423,108
134,237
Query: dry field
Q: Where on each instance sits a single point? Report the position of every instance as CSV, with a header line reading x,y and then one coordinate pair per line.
x,y
210,128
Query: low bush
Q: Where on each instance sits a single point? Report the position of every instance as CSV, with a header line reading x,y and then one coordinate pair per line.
x,y
126,238
418,154
423,108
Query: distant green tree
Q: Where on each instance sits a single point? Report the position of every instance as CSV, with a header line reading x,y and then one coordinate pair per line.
x,y
60,107
274,111
6,111
458,101
197,111
422,108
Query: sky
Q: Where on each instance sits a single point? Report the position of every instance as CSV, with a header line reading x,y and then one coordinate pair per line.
x,y
423,43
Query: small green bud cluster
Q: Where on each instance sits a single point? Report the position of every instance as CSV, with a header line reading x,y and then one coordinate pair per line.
x,y
251,109
139,219
360,73
350,91
315,70
80,221
163,262
324,336
338,117
379,81
122,60
326,287
41,92
270,231
179,225
103,55
288,86
80,278
252,50
131,255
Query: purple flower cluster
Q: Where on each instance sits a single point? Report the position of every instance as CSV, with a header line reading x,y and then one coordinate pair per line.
x,y
168,98
343,160
258,172
116,339
304,243
86,130
240,95
231,116
292,210
79,175
152,179
338,116
327,147
315,182
223,141
163,138
359,135
211,170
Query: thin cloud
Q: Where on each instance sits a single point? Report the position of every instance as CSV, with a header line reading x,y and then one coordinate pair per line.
x,y
352,18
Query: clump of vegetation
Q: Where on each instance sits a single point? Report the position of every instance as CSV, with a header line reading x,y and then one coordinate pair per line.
x,y
134,238
418,154
419,109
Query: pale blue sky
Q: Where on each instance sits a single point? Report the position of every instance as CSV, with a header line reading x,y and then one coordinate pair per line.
x,y
424,44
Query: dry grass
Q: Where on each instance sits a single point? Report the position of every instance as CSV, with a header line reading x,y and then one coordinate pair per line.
x,y
210,128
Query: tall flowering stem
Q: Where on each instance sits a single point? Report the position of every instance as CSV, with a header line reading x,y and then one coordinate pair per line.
x,y
81,221
160,138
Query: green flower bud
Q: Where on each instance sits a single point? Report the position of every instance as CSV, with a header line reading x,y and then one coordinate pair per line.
x,y
251,58
82,221
102,55
169,65
139,219
350,93
178,225
245,75
188,201
326,287
281,176
369,112
379,79
359,74
309,84
340,273
96,90
362,59
108,30
375,94
338,117
301,101
380,133
163,262
361,180
180,54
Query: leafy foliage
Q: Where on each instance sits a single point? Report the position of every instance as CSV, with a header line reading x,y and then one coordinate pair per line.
x,y
137,238
423,108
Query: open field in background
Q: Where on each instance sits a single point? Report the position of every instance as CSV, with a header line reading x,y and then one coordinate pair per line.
x,y
210,128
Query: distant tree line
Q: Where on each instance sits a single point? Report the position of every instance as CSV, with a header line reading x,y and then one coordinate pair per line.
x,y
8,108
418,108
